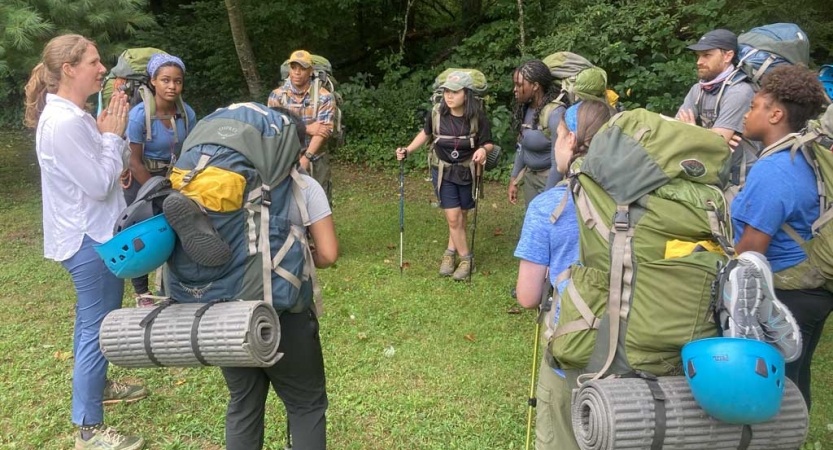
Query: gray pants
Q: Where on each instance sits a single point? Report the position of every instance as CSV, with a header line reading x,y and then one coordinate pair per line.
x,y
534,184
298,379
553,423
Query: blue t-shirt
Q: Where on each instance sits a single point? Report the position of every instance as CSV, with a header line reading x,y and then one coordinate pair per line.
x,y
160,146
778,189
554,245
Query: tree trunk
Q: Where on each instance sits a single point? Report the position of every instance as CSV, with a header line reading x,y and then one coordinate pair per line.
x,y
243,47
522,46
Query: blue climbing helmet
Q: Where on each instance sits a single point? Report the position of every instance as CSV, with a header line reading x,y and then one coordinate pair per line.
x,y
142,238
735,380
826,78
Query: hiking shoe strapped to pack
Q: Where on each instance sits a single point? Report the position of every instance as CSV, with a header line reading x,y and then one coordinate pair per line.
x,y
123,393
750,309
464,269
199,238
447,264
107,438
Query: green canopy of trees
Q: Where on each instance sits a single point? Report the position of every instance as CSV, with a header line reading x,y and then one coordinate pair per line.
x,y
386,52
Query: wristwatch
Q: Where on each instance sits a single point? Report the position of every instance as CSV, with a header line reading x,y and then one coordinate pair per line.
x,y
312,156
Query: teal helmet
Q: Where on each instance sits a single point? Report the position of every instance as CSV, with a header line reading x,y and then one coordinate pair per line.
x,y
138,249
735,380
142,238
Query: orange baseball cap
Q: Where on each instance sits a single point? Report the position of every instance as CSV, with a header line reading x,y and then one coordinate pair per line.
x,y
301,57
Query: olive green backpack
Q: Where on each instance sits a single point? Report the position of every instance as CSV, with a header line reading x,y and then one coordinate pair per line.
x,y
816,144
579,79
653,226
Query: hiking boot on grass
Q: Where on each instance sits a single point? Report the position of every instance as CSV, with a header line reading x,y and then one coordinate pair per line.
x,y
123,393
199,238
464,269
106,438
447,264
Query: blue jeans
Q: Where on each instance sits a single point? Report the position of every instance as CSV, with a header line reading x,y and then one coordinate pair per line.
x,y
99,292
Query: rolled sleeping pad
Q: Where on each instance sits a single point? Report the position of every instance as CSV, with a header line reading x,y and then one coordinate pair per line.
x,y
226,334
630,413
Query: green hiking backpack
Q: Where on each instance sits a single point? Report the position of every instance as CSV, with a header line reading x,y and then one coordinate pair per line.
x,y
647,185
479,89
580,80
130,76
322,76
816,144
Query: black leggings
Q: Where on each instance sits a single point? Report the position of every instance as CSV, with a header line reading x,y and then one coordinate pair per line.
x,y
810,307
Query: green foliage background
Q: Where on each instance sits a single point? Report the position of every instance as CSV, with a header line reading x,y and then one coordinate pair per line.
x,y
385,80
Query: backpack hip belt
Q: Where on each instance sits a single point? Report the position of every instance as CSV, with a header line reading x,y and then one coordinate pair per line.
x,y
155,165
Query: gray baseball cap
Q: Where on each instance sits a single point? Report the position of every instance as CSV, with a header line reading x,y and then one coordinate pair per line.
x,y
458,80
720,38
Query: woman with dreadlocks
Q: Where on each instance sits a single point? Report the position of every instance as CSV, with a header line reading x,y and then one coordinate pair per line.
x,y
538,111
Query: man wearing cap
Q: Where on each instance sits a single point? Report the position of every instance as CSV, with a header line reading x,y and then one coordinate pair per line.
x,y
715,102
295,95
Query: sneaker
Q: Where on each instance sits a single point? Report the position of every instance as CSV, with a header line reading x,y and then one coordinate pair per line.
x,y
123,393
145,300
447,264
464,269
199,238
107,438
751,310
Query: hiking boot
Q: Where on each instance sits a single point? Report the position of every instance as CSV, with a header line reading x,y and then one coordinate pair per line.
x,y
464,269
199,238
107,438
145,300
123,393
447,264
753,312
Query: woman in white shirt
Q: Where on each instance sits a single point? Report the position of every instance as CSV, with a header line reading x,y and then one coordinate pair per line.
x,y
80,160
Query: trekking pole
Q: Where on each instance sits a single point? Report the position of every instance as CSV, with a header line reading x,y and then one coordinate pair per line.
x,y
543,309
531,401
288,436
401,210
478,180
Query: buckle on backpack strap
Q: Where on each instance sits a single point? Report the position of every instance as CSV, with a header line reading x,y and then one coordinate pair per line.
x,y
621,221
265,195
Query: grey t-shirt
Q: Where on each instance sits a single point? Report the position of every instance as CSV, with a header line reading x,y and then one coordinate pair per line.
x,y
316,201
535,149
729,114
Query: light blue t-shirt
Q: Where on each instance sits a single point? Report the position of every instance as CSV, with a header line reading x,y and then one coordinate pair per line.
x,y
160,146
554,245
778,189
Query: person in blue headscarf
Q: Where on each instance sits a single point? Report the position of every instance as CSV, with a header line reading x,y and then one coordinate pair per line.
x,y
154,154
549,244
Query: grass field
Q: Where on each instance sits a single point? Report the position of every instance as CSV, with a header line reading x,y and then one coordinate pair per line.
x,y
457,377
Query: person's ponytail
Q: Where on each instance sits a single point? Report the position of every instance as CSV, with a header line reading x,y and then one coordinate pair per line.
x,y
36,90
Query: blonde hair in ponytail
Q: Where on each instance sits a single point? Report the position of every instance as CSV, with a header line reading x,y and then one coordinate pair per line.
x,y
46,76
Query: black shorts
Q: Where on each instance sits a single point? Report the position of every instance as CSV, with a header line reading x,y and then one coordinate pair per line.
x,y
453,195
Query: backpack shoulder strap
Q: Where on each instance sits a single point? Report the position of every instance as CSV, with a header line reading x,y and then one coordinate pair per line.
x,y
544,117
150,109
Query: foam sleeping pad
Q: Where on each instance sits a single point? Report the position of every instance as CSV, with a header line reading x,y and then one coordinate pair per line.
x,y
226,334
619,414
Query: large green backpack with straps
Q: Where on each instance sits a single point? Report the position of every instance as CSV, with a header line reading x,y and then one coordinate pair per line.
x,y
130,76
579,79
653,225
816,144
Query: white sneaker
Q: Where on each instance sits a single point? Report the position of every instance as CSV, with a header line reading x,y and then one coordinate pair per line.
x,y
751,310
